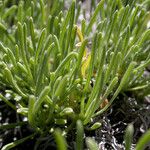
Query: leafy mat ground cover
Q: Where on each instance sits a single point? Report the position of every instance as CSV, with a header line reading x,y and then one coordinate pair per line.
x,y
127,107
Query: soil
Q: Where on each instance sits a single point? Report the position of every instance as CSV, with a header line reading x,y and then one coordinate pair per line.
x,y
124,111
7,116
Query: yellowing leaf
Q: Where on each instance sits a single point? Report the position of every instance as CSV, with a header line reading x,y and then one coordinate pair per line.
x,y
85,65
80,35
81,38
86,56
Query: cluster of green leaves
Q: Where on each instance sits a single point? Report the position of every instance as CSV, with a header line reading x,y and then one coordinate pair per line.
x,y
41,59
